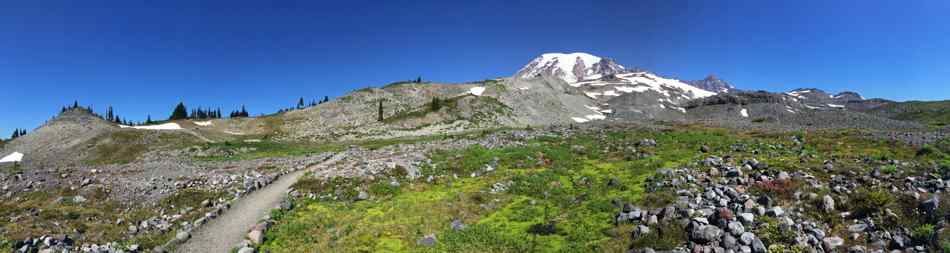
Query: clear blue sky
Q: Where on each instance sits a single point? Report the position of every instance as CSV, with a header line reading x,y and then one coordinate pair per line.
x,y
142,58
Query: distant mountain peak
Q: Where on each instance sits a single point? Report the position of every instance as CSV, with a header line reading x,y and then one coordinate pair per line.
x,y
712,83
570,67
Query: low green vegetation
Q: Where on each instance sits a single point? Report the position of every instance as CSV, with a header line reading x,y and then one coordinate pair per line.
x,y
249,149
931,113
483,108
121,147
554,194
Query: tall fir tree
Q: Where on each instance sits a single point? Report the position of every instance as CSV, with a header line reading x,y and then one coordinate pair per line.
x,y
110,115
180,112
300,104
148,119
436,104
380,110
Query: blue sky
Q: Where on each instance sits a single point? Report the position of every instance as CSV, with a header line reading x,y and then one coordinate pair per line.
x,y
144,57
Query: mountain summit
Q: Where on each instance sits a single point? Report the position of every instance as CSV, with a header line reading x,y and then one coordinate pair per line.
x,y
712,83
570,68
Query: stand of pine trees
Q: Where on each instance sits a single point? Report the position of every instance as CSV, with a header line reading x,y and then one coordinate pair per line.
x,y
205,114
17,133
240,114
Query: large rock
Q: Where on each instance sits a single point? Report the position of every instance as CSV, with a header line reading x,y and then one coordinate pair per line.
x,y
182,236
736,228
747,218
930,205
830,243
827,204
256,236
705,234
758,246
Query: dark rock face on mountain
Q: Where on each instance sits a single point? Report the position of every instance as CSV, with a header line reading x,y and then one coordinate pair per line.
x,y
792,110
712,83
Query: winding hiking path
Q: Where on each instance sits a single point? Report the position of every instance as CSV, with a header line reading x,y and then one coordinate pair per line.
x,y
228,230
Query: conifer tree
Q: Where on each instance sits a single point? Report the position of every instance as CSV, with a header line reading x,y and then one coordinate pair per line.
x,y
16,133
75,104
148,120
380,110
180,112
300,103
436,104
110,115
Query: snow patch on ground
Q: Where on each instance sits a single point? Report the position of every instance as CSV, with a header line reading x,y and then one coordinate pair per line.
x,y
15,157
579,120
203,123
477,91
166,126
592,94
744,112
643,81
596,117
836,106
233,133
524,88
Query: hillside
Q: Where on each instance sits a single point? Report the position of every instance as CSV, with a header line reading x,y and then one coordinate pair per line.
x,y
932,113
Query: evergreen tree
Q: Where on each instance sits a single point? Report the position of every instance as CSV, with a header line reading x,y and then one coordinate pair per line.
x,y
419,80
23,132
148,120
16,134
325,99
75,104
180,112
300,104
436,104
110,115
380,110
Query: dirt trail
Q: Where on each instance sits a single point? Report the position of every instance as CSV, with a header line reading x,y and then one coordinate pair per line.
x,y
228,230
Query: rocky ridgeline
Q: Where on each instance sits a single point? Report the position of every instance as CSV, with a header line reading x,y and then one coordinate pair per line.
x,y
721,212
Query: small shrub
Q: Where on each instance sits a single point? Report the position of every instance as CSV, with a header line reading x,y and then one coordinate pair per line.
x,y
657,199
923,234
772,232
869,202
665,236
783,189
889,169
547,228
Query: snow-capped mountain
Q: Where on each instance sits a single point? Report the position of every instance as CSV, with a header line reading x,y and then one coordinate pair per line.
x,y
712,83
609,88
570,68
